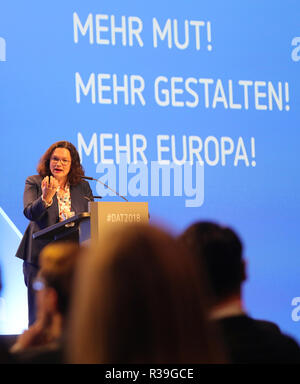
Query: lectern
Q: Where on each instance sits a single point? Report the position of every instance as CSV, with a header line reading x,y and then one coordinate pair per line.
x,y
93,226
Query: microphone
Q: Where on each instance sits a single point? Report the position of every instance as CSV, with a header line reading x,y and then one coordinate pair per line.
x,y
105,185
94,197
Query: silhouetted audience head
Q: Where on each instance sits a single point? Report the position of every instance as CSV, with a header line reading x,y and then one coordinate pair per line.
x,y
220,250
43,341
247,340
55,277
138,299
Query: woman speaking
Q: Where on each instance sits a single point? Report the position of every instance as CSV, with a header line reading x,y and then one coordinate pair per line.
x,y
56,193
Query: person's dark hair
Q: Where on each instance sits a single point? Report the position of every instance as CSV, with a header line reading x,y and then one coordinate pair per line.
x,y
138,299
220,251
76,170
57,268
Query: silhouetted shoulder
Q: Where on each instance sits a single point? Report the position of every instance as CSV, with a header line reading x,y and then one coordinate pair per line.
x,y
256,341
265,325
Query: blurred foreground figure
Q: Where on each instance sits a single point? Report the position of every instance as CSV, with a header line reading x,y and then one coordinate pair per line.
x,y
139,300
219,251
5,356
43,342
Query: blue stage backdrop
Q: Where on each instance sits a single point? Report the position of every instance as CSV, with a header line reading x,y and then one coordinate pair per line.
x,y
193,106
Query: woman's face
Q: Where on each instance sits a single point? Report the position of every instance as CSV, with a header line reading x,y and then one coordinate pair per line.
x,y
60,163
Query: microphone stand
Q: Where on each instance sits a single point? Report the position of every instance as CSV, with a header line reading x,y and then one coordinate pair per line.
x,y
98,181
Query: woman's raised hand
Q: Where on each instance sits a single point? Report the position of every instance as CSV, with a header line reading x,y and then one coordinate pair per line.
x,y
49,188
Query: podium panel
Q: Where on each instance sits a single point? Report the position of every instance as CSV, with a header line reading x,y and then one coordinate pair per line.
x,y
93,226
106,216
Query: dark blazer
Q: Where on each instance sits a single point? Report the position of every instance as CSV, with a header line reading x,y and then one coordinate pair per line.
x,y
41,217
251,341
